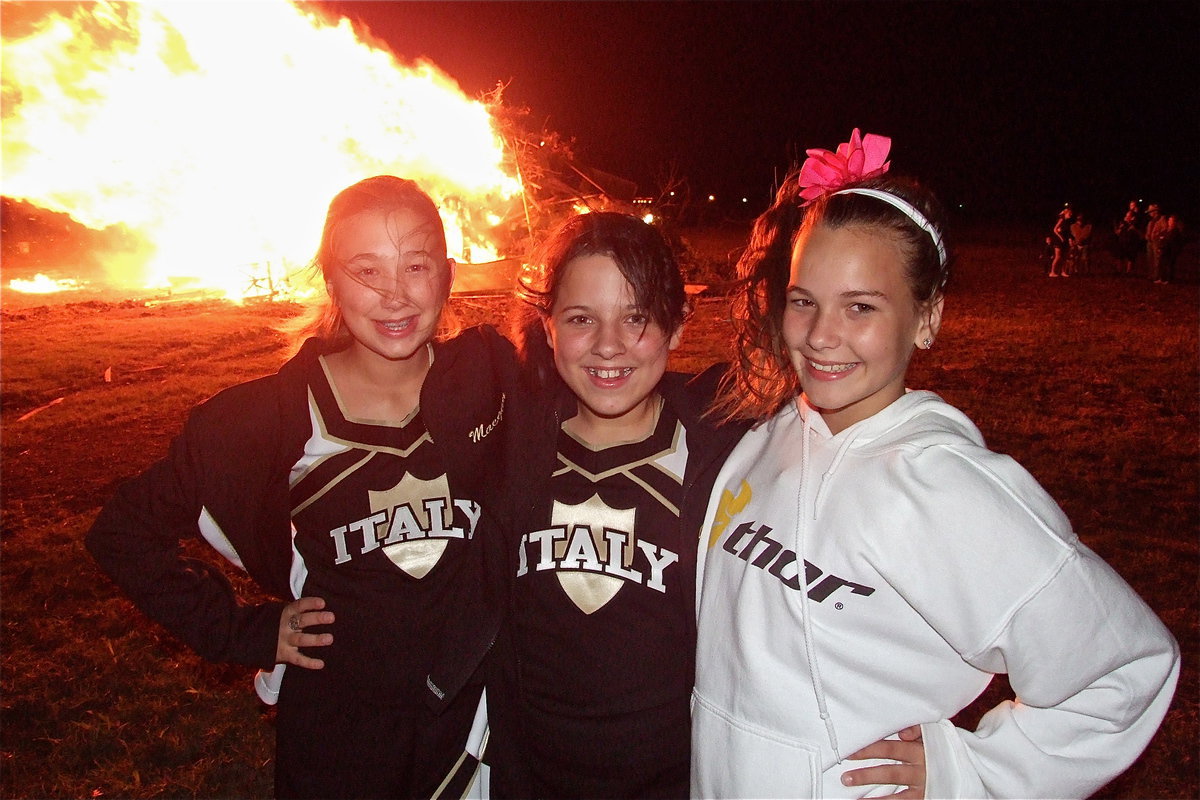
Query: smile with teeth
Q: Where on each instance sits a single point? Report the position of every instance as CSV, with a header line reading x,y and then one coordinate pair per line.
x,y
608,374
395,325
832,368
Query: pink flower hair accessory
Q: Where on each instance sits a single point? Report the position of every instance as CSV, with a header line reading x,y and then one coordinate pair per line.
x,y
858,159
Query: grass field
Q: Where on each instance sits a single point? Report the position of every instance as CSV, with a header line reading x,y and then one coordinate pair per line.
x,y
1091,382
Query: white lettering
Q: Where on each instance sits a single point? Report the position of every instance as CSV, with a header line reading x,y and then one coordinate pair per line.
x,y
578,551
546,538
339,544
581,550
403,524
367,527
479,431
617,541
522,559
659,560
404,527
435,509
473,511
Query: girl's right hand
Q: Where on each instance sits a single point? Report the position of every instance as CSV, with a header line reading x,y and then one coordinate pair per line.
x,y
295,617
908,769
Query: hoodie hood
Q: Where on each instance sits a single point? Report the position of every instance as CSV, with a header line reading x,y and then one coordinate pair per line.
x,y
918,419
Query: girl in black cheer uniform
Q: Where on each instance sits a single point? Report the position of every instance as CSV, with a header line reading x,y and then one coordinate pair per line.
x,y
595,662
353,486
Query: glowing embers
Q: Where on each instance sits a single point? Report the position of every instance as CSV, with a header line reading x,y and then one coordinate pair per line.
x,y
43,284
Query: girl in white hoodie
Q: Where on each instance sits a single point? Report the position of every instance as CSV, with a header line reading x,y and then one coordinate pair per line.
x,y
869,563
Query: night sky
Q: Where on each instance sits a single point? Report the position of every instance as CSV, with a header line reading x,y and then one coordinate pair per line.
x,y
1008,108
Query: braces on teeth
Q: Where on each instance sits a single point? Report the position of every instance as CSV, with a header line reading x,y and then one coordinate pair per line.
x,y
831,367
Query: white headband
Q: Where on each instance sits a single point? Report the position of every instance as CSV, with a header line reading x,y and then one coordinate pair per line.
x,y
909,210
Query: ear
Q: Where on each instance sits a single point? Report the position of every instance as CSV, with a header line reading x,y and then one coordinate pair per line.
x,y
676,338
931,321
451,264
546,327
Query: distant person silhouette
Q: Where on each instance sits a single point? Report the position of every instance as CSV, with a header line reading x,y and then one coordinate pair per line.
x,y
1156,234
1130,238
1172,244
1060,240
1081,244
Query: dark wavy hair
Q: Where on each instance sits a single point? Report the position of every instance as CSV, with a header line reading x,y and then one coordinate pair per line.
x,y
640,253
762,378
386,193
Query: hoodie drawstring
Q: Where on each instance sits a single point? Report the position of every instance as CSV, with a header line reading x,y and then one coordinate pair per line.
x,y
806,611
837,461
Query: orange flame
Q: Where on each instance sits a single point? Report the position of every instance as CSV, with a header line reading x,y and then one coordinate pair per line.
x,y
218,133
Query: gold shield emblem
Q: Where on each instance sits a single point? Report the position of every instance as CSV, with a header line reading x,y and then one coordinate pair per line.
x,y
408,520
585,544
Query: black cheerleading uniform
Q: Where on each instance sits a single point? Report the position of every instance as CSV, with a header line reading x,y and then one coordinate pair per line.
x,y
589,686
382,521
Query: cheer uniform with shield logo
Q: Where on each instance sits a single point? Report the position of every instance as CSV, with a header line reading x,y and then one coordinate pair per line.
x,y
590,692
380,520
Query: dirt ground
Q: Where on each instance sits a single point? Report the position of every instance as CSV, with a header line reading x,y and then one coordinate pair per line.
x,y
1092,383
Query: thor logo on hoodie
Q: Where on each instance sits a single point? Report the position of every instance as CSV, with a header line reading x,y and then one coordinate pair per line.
x,y
758,549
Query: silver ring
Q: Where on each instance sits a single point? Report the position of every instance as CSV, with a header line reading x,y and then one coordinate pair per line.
x,y
294,624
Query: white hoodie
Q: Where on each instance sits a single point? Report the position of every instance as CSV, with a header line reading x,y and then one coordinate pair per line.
x,y
929,563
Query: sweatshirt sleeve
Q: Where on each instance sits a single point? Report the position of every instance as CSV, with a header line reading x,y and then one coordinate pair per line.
x,y
1092,667
137,538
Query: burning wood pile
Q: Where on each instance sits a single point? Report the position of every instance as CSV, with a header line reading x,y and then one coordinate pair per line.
x,y
194,149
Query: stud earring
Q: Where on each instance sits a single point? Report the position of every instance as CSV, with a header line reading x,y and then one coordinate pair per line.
x,y
928,343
